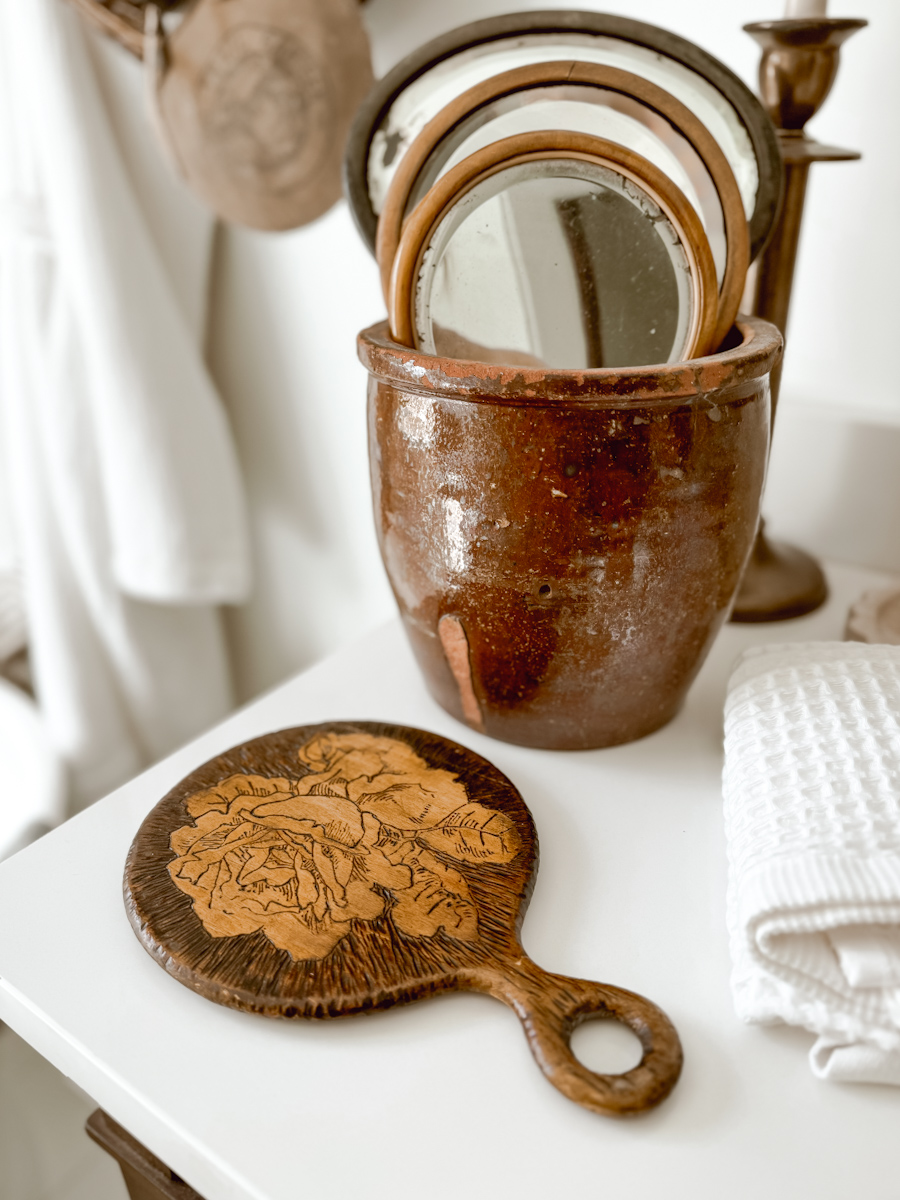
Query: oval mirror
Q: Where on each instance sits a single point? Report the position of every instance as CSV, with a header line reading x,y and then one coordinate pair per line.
x,y
408,97
555,249
602,101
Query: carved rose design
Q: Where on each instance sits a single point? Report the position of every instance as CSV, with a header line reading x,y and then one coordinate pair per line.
x,y
368,830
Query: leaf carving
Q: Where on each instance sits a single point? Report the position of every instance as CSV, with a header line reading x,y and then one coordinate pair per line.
x,y
234,793
474,834
438,898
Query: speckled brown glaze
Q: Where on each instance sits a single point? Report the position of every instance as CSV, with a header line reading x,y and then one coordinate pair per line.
x,y
586,529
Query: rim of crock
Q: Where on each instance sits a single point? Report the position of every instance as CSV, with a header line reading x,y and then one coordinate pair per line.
x,y
752,358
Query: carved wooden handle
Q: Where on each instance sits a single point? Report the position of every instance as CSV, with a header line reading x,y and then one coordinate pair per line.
x,y
551,1007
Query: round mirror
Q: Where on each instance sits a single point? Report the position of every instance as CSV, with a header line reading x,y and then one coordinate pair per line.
x,y
584,109
555,250
601,101
408,97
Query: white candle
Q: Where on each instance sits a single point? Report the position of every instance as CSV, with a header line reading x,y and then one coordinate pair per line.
x,y
804,8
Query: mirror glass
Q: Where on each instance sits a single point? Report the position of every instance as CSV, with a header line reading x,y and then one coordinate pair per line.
x,y
555,262
426,95
598,111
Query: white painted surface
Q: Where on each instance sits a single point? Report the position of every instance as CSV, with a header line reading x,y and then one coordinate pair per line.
x,y
442,1098
287,308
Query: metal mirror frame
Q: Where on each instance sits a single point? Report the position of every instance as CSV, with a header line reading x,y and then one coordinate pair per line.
x,y
589,74
546,144
735,92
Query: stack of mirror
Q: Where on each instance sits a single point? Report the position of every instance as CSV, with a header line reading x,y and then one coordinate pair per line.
x,y
563,190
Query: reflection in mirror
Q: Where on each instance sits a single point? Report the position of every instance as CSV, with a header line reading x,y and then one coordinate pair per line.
x,y
587,109
555,262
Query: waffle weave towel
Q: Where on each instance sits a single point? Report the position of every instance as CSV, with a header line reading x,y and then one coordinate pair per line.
x,y
812,820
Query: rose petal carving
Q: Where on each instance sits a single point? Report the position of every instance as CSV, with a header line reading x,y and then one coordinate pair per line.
x,y
364,835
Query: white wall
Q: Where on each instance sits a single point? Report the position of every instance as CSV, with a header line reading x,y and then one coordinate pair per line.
x,y
285,315
287,308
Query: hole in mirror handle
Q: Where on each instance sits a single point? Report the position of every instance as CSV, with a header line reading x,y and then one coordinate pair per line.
x,y
551,1007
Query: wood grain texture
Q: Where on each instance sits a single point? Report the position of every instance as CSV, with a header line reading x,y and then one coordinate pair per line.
x,y
332,869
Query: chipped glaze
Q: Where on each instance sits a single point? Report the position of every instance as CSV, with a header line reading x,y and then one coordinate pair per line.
x,y
585,530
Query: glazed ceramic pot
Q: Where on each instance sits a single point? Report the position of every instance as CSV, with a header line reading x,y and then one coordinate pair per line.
x,y
565,545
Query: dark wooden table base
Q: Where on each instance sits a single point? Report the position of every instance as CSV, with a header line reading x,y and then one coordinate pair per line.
x,y
145,1176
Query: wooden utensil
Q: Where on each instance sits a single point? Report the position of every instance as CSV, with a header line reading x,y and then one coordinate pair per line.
x,y
331,869
254,99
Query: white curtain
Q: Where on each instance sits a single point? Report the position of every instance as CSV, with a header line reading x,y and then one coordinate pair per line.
x,y
125,505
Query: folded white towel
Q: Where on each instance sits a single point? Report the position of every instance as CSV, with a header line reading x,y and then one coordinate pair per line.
x,y
812,820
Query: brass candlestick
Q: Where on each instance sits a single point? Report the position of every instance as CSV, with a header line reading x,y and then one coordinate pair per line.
x,y
799,64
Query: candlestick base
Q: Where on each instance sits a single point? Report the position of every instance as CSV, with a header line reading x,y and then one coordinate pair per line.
x,y
799,64
780,582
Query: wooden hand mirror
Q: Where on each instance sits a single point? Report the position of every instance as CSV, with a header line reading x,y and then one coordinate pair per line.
x,y
331,869
254,98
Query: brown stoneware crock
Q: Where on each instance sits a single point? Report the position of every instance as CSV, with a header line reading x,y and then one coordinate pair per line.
x,y
565,545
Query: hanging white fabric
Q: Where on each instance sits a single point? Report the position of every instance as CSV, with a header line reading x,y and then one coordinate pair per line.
x,y
128,517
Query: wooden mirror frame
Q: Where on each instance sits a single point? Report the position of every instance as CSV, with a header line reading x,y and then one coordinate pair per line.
x,y
735,94
612,79
554,144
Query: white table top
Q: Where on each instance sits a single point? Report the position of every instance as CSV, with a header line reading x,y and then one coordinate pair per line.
x,y
442,1098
